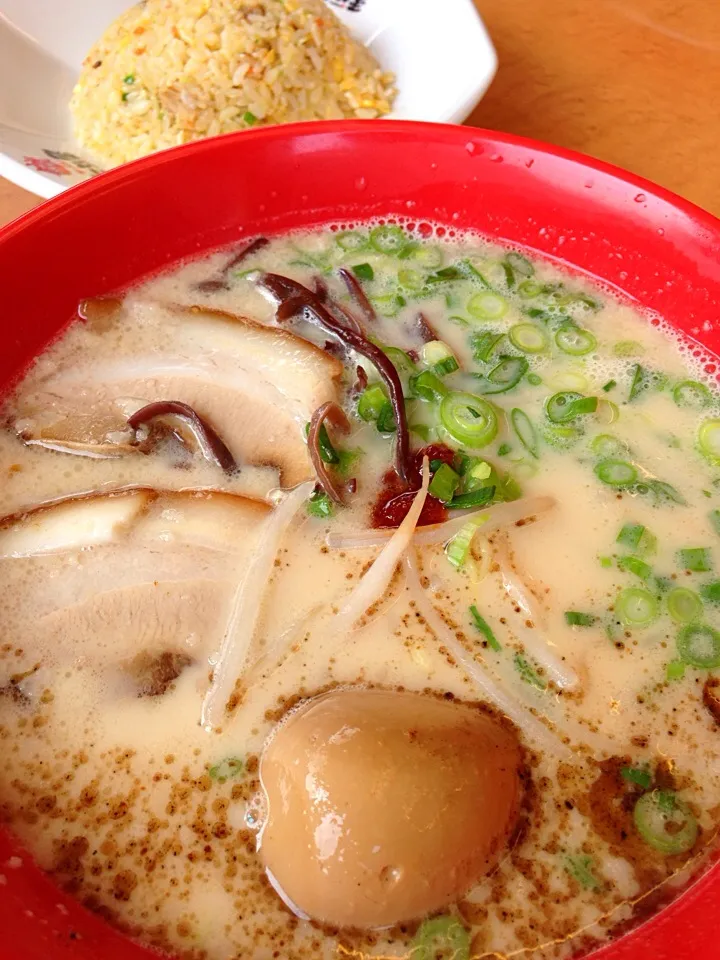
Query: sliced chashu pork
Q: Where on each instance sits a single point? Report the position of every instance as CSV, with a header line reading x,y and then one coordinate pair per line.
x,y
256,385
140,573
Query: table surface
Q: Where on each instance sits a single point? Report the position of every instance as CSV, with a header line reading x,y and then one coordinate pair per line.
x,y
634,82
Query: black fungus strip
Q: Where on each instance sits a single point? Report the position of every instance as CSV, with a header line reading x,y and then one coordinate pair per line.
x,y
358,294
424,329
208,441
296,300
221,281
336,416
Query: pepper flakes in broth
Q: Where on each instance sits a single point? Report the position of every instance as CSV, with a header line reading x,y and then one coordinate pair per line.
x,y
571,454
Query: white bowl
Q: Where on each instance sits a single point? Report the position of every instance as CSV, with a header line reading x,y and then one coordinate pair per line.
x,y
440,53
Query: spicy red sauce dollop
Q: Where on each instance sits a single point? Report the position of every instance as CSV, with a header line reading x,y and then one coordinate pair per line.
x,y
396,497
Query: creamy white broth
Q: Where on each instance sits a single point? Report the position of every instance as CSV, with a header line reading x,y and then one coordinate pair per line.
x,y
132,805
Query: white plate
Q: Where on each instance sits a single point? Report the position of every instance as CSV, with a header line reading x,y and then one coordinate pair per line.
x,y
440,53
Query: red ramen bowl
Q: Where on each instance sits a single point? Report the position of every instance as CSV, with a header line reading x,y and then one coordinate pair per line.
x,y
654,248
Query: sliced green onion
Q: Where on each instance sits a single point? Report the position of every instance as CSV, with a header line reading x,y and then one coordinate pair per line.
x,y
695,559
567,405
520,264
616,473
684,605
636,607
663,492
709,440
529,289
528,338
371,402
710,592
441,937
428,257
504,449
675,670
130,78
483,345
389,239
528,673
534,380
468,419
473,273
386,419
487,306
351,240
478,473
636,537
665,822
410,279
249,118
388,305
444,483
427,386
576,619
457,550
474,498
569,380
320,505
446,275
714,518
606,445
482,625
643,380
640,776
628,348
562,436
581,868
607,387
699,645
503,377
605,562
363,271
401,361
635,565
574,340
227,769
525,431
440,357
691,393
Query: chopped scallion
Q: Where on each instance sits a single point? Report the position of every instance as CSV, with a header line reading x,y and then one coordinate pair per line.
x,y
665,822
607,387
371,402
636,607
528,337
581,868
691,393
444,483
575,341
227,769
473,498
695,559
699,645
503,377
427,386
363,271
351,240
249,118
528,673
487,306
640,776
525,431
468,419
484,628
616,473
483,345
576,619
684,605
635,565
320,505
389,239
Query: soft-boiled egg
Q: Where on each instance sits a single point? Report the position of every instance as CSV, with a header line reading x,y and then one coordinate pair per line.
x,y
385,806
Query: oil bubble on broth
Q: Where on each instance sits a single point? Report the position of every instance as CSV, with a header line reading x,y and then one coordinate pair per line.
x,y
361,598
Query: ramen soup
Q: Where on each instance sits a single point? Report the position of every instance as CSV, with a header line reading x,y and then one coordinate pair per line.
x,y
360,599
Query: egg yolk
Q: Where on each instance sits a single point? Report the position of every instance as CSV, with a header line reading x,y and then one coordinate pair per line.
x,y
382,806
